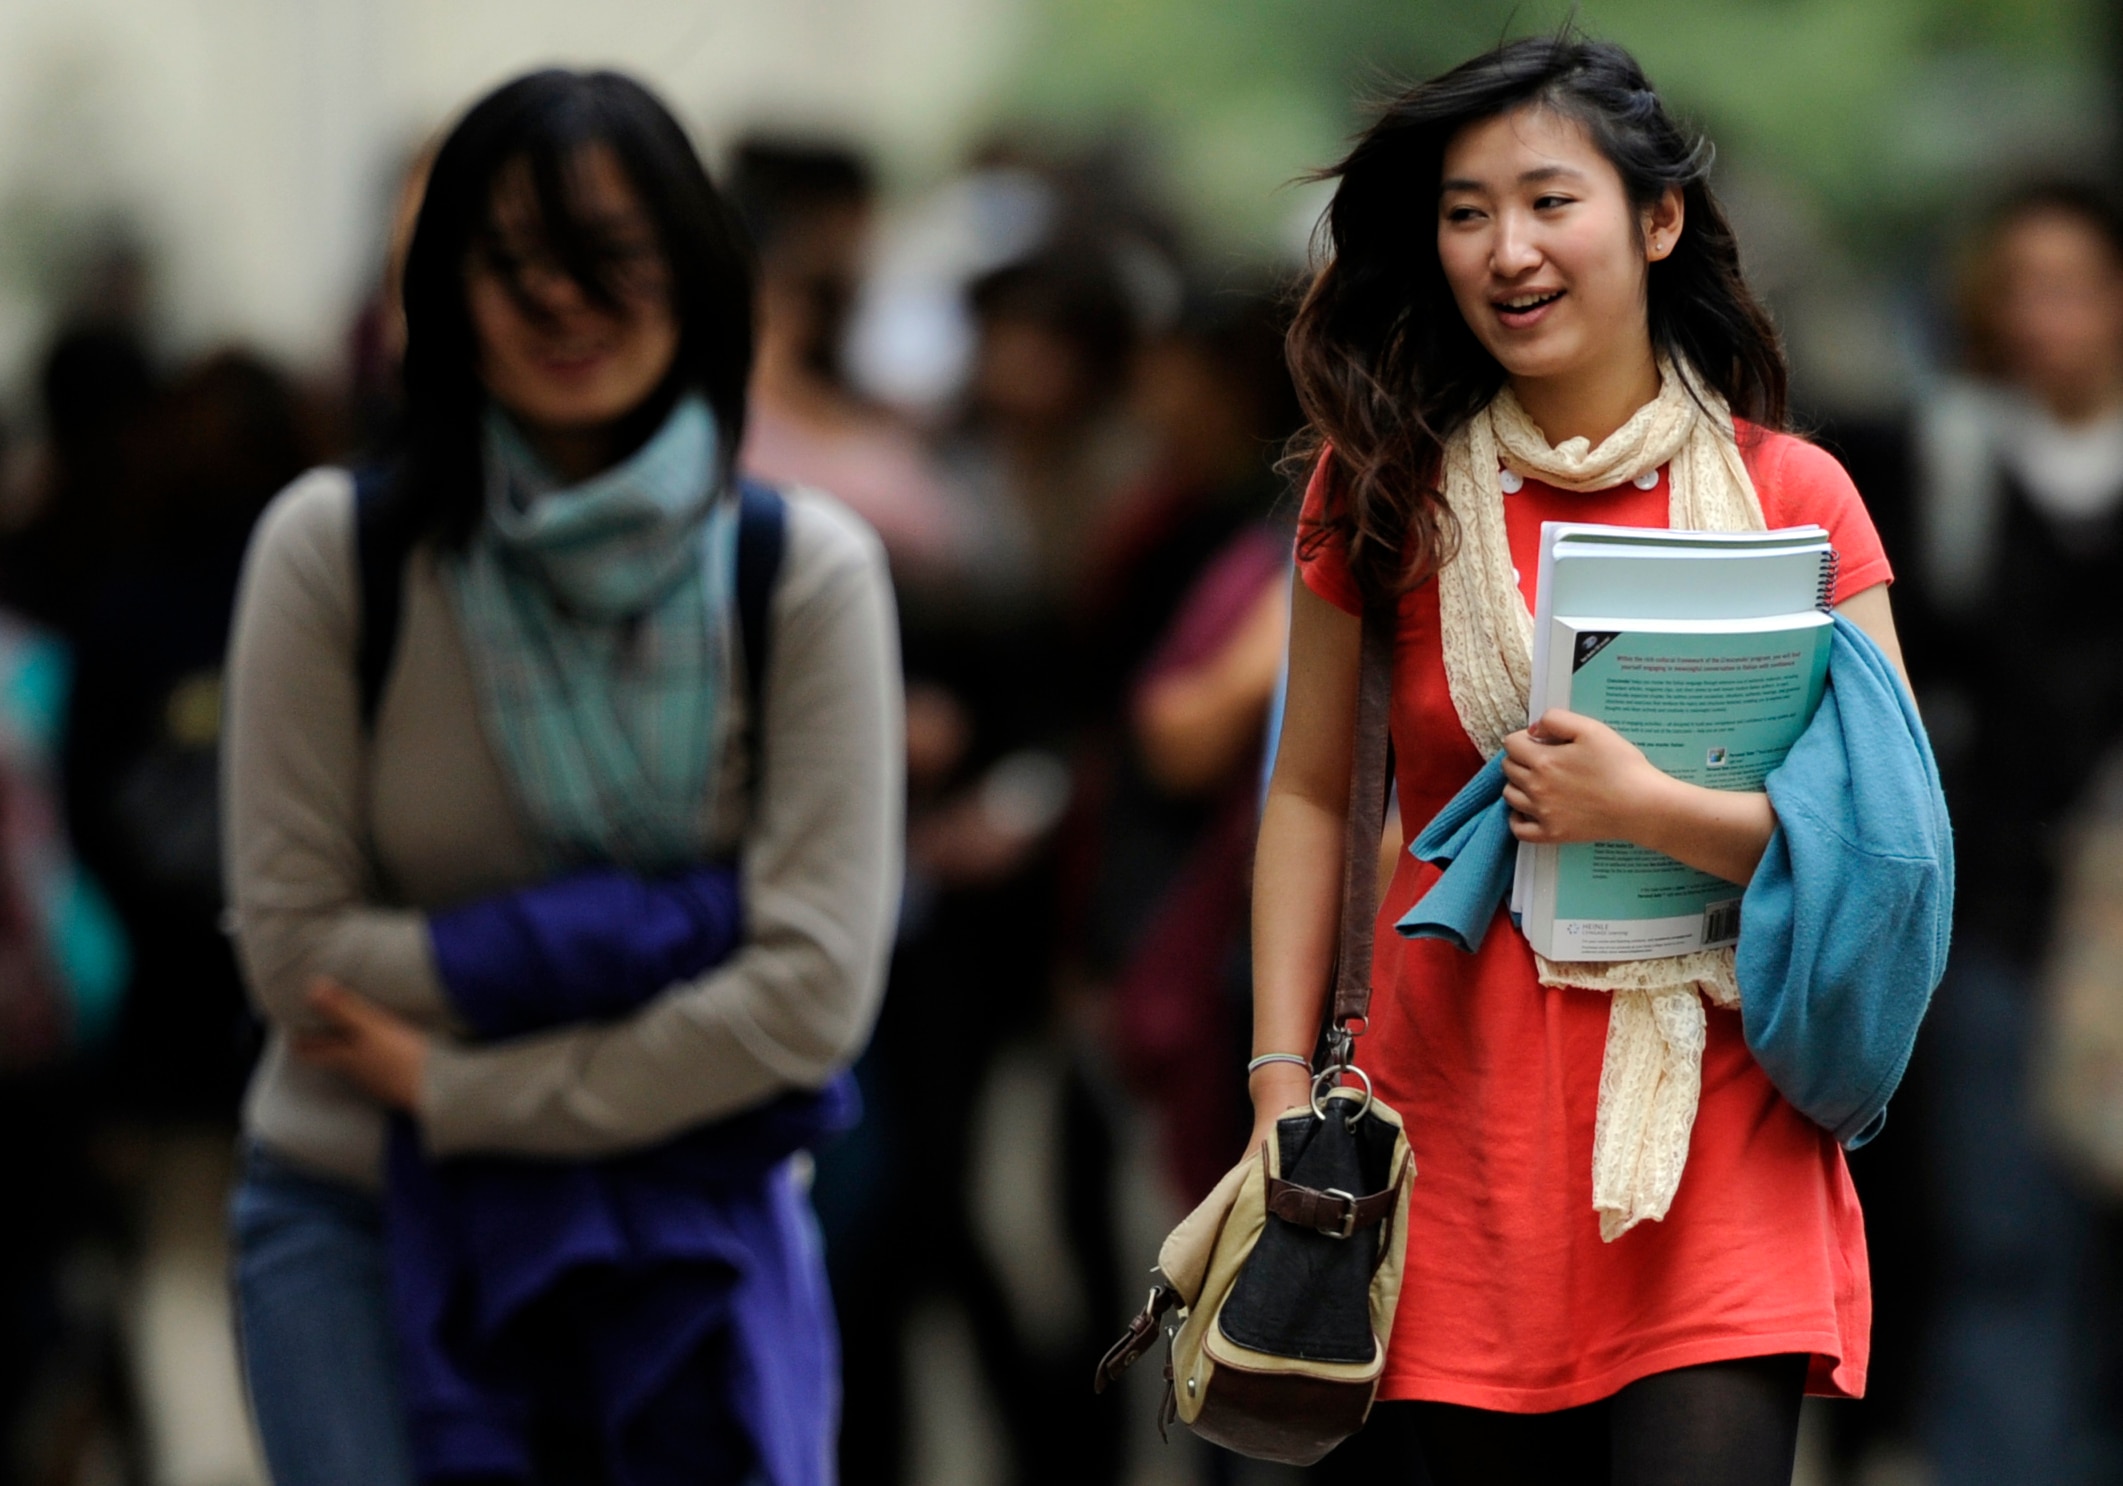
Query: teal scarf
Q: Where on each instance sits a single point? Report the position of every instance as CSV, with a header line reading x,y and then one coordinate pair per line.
x,y
598,620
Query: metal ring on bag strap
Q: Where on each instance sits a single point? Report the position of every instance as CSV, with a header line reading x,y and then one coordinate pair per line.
x,y
1335,1071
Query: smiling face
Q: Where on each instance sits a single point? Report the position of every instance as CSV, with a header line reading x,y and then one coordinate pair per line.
x,y
1546,257
564,365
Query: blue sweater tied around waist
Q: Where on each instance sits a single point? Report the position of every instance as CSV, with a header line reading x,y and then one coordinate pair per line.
x,y
1845,927
663,1313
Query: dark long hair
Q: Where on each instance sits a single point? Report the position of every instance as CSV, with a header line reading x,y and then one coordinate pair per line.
x,y
542,122
1386,367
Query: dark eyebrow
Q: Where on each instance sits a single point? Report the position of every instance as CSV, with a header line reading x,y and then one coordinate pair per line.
x,y
1531,178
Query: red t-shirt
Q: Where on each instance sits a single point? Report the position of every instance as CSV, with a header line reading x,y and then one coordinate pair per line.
x,y
1510,1300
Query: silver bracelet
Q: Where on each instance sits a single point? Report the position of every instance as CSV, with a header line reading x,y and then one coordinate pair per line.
x,y
1266,1058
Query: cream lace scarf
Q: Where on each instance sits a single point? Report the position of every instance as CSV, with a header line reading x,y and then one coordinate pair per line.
x,y
1653,1070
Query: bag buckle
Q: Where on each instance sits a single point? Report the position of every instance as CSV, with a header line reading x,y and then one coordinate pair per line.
x,y
1348,1225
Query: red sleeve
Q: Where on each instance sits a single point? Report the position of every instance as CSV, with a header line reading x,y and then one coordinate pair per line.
x,y
1322,555
1801,483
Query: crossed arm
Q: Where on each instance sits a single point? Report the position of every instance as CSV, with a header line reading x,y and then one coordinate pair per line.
x,y
354,986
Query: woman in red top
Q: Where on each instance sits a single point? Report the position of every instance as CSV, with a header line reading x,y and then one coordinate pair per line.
x,y
1533,303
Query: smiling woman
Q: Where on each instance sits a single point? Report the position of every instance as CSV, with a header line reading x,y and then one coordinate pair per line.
x,y
573,263
571,359
1532,311
1544,252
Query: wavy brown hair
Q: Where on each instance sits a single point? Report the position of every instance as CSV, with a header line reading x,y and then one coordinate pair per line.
x,y
1386,367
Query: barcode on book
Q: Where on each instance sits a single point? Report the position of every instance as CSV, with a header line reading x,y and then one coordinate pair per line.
x,y
1721,921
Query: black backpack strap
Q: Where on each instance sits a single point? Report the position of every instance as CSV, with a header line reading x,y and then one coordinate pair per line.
x,y
762,537
380,552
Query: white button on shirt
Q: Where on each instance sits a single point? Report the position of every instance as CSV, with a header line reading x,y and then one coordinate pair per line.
x,y
1646,480
1511,481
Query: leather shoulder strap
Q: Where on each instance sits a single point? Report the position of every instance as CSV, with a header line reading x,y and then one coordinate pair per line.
x,y
1367,818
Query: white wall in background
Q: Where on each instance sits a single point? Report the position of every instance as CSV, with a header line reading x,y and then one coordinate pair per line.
x,y
251,144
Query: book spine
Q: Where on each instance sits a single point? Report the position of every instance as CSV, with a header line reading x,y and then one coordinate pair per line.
x,y
1831,566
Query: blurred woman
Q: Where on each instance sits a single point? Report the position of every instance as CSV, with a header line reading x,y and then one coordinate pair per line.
x,y
567,761
2018,513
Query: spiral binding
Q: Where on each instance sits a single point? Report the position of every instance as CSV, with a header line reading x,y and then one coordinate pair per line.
x,y
1831,565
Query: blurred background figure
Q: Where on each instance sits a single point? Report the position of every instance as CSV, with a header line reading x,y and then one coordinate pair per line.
x,y
143,731
1182,629
992,1134
62,976
809,208
96,385
2008,488
142,770
1044,445
147,492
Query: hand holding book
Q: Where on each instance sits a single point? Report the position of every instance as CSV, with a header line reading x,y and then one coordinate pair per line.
x,y
1707,653
1572,778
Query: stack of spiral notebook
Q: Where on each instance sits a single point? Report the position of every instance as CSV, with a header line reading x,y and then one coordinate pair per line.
x,y
1709,651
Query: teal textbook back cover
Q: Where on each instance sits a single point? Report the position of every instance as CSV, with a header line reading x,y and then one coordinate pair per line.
x,y
1712,702
1652,573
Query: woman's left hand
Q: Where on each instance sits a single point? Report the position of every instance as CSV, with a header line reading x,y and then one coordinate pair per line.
x,y
1572,778
378,1051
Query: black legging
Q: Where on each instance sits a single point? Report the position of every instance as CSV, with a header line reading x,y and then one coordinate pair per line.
x,y
1721,1424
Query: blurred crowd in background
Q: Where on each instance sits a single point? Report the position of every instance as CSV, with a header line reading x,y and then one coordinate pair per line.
x,y
1057,391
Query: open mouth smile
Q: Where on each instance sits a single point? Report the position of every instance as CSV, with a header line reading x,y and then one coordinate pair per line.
x,y
1522,310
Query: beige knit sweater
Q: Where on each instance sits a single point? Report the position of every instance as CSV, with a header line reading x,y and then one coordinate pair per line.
x,y
337,843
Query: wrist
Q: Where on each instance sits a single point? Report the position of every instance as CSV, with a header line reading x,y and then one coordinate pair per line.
x,y
1662,812
1275,1087
1722,832
1269,1060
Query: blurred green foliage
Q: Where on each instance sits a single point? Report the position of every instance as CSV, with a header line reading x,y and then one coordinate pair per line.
x,y
1886,113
